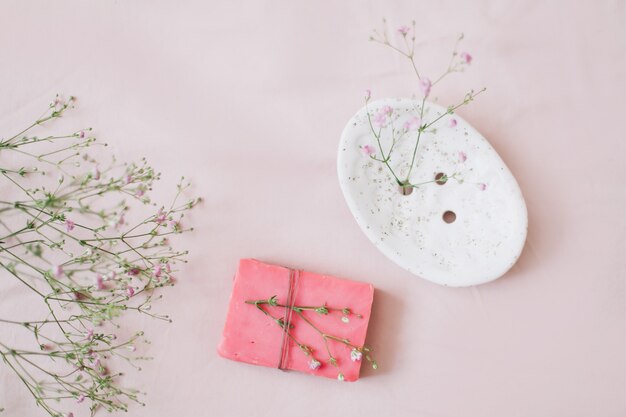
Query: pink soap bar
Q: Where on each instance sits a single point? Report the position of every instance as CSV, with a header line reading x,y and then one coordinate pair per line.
x,y
253,337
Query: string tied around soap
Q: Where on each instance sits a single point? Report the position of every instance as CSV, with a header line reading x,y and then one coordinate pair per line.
x,y
294,276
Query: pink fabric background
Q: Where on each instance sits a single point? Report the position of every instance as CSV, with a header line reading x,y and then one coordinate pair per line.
x,y
248,99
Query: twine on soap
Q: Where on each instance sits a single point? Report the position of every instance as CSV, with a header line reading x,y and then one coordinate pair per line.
x,y
294,275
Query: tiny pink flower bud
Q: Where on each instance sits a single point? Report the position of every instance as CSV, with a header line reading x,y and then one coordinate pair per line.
x,y
130,291
80,399
168,268
70,414
356,355
69,225
57,271
404,30
387,110
412,124
133,271
99,282
160,216
81,134
89,334
95,173
462,157
58,103
140,192
157,271
368,150
425,86
128,179
368,94
482,186
131,348
380,119
453,122
467,58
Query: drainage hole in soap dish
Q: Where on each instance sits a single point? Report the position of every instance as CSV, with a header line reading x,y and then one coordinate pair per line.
x,y
449,216
405,190
441,178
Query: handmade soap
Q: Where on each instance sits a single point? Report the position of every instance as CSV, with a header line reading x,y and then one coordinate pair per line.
x,y
291,319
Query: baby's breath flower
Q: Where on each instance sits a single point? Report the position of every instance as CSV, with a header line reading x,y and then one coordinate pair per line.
x,y
381,122
160,216
99,282
425,85
78,257
412,124
69,225
57,271
314,364
130,291
404,30
369,150
356,352
466,57
381,118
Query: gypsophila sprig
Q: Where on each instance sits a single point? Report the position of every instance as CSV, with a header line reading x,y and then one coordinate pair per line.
x,y
66,235
317,360
383,120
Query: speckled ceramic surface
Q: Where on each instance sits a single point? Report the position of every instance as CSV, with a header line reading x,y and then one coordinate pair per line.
x,y
467,231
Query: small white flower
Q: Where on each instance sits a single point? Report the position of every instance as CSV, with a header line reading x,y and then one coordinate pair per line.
x,y
314,364
356,355
340,377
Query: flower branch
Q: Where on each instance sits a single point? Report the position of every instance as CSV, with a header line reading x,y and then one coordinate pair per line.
x,y
356,353
384,118
65,236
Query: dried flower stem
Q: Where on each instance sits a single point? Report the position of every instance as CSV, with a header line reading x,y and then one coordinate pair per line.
x,y
408,51
67,240
321,310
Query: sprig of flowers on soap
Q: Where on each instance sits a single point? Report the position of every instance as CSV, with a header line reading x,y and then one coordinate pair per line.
x,y
83,238
357,353
384,120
